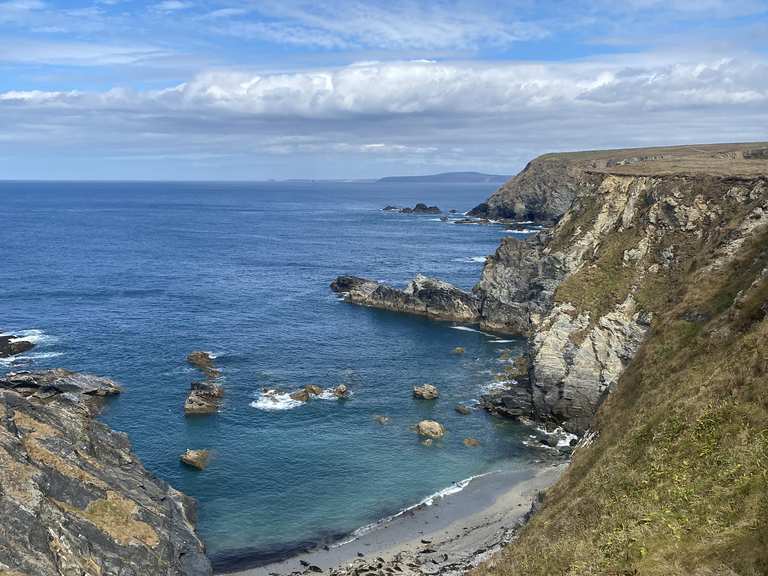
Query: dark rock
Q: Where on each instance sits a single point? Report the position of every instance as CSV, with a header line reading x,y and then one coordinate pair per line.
x,y
12,345
79,498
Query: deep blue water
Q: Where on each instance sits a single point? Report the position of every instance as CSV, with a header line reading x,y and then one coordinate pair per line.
x,y
124,279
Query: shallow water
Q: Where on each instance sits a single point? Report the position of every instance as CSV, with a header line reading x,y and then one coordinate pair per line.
x,y
124,279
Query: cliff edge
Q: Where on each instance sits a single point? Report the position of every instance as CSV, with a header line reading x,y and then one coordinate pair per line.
x,y
74,499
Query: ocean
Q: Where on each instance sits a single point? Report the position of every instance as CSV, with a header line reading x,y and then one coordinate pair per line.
x,y
125,279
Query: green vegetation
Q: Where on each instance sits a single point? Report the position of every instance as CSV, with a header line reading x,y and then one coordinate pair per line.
x,y
676,482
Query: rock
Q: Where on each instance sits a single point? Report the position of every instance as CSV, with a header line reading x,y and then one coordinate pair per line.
x,y
341,391
204,362
424,296
382,419
300,395
471,442
59,381
426,392
209,389
427,442
430,429
74,497
462,409
12,345
195,458
458,350
200,403
420,208
313,390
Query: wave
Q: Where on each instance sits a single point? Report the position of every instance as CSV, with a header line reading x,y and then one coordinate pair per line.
x,y
454,488
36,336
500,341
29,357
497,385
468,329
563,438
272,400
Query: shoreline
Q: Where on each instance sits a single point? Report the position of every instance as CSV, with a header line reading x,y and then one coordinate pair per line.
x,y
454,533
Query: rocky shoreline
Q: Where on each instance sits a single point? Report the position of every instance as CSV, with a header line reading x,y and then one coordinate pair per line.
x,y
74,497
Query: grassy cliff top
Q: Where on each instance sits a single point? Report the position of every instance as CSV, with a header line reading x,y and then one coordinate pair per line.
x,y
746,159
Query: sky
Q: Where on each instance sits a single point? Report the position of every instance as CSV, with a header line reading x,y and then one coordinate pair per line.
x,y
253,90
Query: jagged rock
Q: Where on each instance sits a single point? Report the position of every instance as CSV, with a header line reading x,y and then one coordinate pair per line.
x,y
464,410
421,208
12,345
300,395
313,390
200,403
341,391
204,362
458,350
423,295
426,392
75,499
45,383
195,458
471,442
430,429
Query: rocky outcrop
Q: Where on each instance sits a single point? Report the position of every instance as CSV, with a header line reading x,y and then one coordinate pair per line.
x,y
420,208
11,345
424,296
195,458
430,429
74,499
204,396
426,392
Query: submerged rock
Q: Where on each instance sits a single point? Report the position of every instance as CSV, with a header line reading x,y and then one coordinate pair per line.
x,y
471,442
426,392
462,409
195,458
430,429
382,419
458,350
74,497
12,345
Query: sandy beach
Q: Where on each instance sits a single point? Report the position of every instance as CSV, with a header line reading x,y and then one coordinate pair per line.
x,y
452,534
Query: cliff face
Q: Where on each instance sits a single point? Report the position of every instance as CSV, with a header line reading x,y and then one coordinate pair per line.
x,y
74,499
658,324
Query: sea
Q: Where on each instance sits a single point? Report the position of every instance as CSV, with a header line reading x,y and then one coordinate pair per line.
x,y
124,279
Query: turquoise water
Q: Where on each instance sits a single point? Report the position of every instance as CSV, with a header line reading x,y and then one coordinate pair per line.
x,y
124,279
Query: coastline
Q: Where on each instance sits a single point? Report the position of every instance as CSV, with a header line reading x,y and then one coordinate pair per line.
x,y
453,534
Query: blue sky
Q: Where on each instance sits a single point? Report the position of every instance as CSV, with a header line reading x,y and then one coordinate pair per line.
x,y
232,89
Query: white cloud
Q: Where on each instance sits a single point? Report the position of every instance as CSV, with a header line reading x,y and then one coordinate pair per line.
x,y
172,5
491,116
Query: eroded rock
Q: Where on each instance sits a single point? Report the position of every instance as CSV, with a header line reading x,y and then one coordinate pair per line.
x,y
430,429
426,392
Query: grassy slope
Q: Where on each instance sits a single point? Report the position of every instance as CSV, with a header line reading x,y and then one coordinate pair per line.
x,y
677,482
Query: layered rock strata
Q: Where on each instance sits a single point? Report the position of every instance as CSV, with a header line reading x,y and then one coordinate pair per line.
x,y
74,499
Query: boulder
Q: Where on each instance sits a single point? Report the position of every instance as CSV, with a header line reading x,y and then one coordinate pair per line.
x,y
12,345
195,458
458,350
426,392
341,391
300,395
471,442
313,390
204,362
464,410
430,429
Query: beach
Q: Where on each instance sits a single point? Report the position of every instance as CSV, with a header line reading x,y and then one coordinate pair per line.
x,y
454,533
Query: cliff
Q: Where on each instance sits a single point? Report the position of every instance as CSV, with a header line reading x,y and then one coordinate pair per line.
x,y
645,307
74,499
658,325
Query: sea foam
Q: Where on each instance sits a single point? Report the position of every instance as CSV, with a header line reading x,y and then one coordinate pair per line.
x,y
272,400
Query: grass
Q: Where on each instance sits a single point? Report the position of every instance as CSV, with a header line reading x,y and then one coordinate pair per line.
x,y
677,481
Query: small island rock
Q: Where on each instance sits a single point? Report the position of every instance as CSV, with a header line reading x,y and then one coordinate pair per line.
x,y
430,429
195,458
426,392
